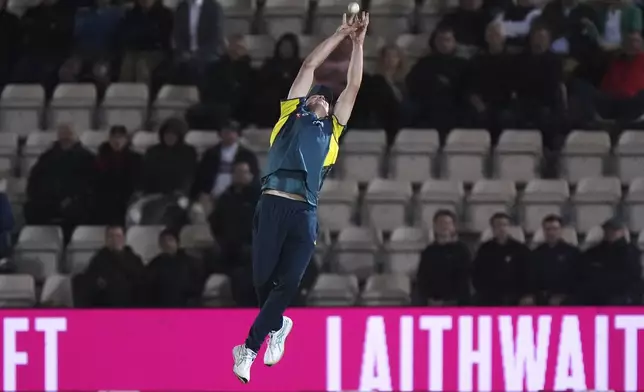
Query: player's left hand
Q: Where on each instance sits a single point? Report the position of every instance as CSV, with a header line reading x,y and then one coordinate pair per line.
x,y
361,23
348,25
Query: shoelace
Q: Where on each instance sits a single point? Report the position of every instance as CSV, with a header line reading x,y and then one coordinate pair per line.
x,y
277,337
246,356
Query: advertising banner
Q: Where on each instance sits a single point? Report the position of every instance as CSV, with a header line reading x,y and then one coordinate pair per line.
x,y
329,349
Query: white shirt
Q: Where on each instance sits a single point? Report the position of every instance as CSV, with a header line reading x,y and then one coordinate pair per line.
x,y
225,174
195,13
612,30
520,28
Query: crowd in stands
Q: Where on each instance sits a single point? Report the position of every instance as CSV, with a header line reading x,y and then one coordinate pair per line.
x,y
489,64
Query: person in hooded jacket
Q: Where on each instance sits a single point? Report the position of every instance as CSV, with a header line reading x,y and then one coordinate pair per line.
x,y
175,279
118,168
169,166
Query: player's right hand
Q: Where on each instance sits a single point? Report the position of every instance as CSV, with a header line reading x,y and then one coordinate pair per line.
x,y
348,26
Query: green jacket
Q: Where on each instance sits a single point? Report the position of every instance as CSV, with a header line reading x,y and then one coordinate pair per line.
x,y
631,20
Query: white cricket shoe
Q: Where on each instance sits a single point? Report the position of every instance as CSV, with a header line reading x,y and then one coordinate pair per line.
x,y
244,358
275,348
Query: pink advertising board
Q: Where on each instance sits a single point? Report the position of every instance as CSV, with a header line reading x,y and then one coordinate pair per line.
x,y
400,349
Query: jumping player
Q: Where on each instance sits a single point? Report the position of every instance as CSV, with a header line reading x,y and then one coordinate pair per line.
x,y
304,146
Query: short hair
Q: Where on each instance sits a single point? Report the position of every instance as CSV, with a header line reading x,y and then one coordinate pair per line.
x,y
168,233
114,226
552,218
499,215
444,29
444,213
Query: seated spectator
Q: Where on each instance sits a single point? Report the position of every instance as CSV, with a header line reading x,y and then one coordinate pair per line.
x,y
517,22
275,77
47,41
231,222
565,19
553,266
610,272
490,88
467,24
333,71
95,39
615,19
621,94
10,39
145,36
175,279
169,166
435,85
7,226
198,38
118,169
215,172
443,276
500,275
114,278
60,184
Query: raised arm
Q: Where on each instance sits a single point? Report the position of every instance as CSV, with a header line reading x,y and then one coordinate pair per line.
x,y
347,99
304,79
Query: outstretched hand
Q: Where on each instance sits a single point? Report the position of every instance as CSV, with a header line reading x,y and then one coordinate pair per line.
x,y
348,25
361,23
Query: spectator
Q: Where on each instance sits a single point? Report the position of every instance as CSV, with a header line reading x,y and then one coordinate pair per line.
x,y
333,71
467,24
198,36
443,276
60,183
610,272
275,77
118,168
615,20
114,278
621,95
567,20
49,31
490,89
175,278
169,166
231,222
215,171
500,274
145,36
435,84
517,21
7,226
10,38
554,262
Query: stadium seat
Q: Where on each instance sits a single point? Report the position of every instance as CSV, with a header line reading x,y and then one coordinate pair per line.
x,y
93,139
386,203
21,108
8,145
16,191
144,241
356,251
125,104
569,234
595,201
517,155
541,198
143,140
196,237
258,140
174,101
285,16
413,153
630,155
487,198
85,242
403,250
387,290
361,154
172,4
260,47
634,204
238,14
583,154
322,244
217,291
439,195
640,241
57,292
6,167
337,202
465,153
37,143
38,251
414,45
73,104
334,290
390,18
516,232
328,16
595,235
308,42
202,140
17,291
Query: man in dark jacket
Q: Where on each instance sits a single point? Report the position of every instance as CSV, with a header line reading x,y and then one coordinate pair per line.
x,y
501,266
175,278
553,265
169,166
10,37
443,276
610,272
118,168
115,276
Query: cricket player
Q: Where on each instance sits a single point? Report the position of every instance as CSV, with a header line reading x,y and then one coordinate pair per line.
x,y
304,147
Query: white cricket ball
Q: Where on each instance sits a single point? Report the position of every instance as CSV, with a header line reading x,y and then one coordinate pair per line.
x,y
354,8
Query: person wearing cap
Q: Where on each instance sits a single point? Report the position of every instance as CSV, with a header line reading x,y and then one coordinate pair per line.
x,y
304,146
609,273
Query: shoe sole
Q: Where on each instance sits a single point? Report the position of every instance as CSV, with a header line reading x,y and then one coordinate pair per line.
x,y
288,332
240,378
